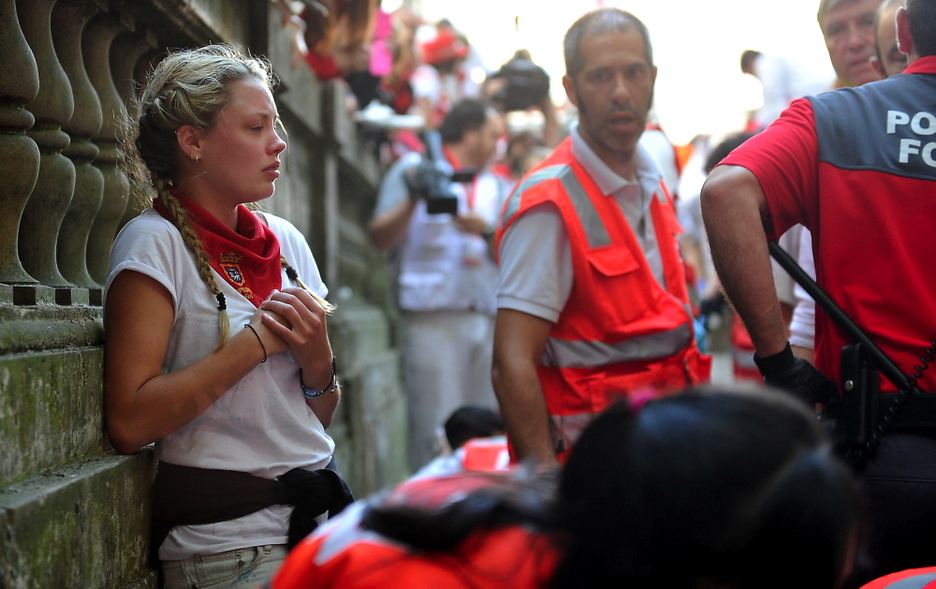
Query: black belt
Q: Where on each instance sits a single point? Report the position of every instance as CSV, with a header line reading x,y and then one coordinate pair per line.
x,y
917,413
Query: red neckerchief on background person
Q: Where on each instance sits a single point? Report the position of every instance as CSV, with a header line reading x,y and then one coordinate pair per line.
x,y
470,191
248,259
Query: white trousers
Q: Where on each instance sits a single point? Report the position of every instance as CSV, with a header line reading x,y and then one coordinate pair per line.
x,y
447,364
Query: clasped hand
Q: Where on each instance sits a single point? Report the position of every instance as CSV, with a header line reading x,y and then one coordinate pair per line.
x,y
291,319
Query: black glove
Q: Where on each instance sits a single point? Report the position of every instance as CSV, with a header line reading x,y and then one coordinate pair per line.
x,y
713,304
796,376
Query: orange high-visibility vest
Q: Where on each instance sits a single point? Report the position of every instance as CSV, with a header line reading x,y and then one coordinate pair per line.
x,y
620,332
343,554
485,454
922,578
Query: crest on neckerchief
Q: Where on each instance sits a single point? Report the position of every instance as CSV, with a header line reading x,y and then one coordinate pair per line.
x,y
230,263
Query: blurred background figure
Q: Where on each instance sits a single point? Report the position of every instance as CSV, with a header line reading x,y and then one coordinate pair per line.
x,y
335,38
522,86
474,441
783,80
524,150
887,59
664,153
439,233
443,79
848,29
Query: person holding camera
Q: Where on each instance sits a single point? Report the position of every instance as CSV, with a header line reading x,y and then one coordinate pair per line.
x,y
592,302
521,85
436,214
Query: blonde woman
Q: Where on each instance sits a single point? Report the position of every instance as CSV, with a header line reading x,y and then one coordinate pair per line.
x,y
216,350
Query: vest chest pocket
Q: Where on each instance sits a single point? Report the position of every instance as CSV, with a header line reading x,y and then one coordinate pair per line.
x,y
620,293
613,260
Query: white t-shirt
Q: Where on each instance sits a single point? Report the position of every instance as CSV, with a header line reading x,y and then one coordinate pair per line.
x,y
442,91
803,326
785,80
438,266
262,425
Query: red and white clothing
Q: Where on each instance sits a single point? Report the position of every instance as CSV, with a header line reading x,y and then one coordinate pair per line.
x,y
489,454
262,425
924,578
441,90
345,554
446,285
597,256
857,167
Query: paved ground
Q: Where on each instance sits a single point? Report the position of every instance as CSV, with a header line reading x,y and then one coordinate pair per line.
x,y
719,347
721,368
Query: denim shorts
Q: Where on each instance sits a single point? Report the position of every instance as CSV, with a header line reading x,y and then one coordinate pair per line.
x,y
244,567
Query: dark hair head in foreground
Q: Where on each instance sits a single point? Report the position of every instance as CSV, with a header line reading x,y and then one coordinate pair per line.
x,y
717,487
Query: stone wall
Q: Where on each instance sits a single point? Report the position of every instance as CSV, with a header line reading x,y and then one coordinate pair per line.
x,y
72,512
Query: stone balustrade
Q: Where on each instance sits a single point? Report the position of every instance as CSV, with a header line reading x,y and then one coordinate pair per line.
x,y
72,512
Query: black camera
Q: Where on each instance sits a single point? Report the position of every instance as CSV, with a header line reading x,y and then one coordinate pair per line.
x,y
430,181
524,84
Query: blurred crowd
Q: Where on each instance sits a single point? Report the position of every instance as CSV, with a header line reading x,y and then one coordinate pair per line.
x,y
402,74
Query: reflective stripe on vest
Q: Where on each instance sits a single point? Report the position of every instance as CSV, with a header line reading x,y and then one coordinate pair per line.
x,y
572,354
590,219
566,353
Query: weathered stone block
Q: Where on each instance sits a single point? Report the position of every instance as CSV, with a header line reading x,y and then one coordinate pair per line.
x,y
50,410
85,525
51,378
371,440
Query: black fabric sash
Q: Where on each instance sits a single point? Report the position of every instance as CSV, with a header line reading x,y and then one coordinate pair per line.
x,y
183,495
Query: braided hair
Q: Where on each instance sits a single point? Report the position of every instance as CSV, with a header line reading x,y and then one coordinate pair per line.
x,y
188,87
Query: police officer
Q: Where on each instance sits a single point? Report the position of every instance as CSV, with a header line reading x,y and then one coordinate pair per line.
x,y
856,167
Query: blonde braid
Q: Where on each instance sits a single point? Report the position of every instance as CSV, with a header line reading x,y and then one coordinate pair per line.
x,y
294,276
190,237
189,87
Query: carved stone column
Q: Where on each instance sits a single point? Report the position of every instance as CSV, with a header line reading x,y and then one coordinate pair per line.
x,y
52,107
96,45
126,52
69,18
19,155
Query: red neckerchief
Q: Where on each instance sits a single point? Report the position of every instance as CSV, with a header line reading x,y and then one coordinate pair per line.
x,y
249,258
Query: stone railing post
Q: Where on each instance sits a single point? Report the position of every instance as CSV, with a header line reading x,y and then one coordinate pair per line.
x,y
127,51
19,155
69,18
96,45
52,194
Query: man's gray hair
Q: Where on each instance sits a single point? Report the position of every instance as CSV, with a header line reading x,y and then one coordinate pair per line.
x,y
597,22
825,6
